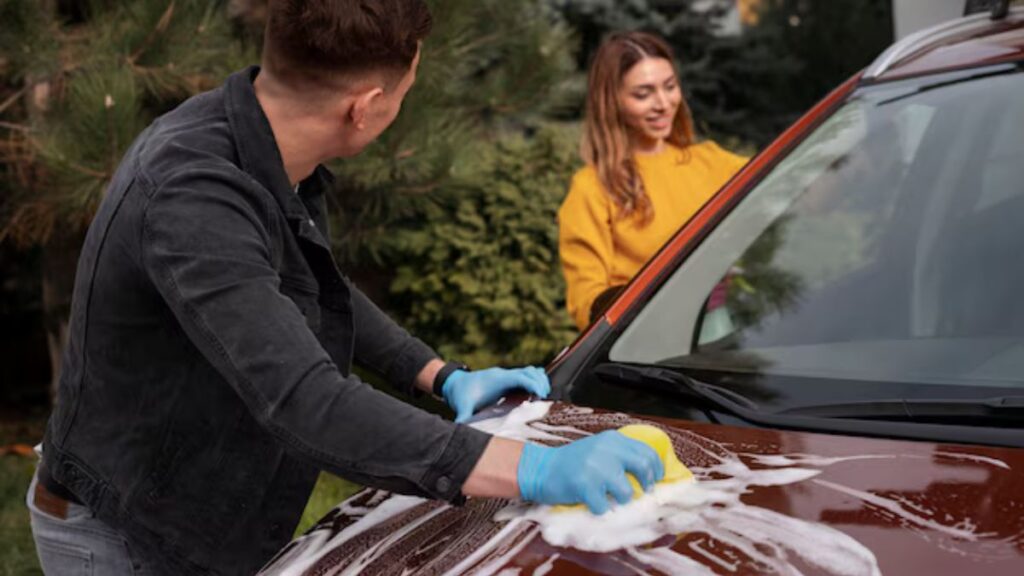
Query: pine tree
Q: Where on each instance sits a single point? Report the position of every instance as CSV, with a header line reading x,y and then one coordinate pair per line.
x,y
489,67
81,80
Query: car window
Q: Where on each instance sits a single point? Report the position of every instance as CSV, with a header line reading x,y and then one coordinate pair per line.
x,y
885,247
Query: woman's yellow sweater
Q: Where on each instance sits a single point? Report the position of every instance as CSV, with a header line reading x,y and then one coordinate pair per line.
x,y
600,250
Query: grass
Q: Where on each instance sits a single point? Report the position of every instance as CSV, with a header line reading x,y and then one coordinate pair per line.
x,y
17,552
329,491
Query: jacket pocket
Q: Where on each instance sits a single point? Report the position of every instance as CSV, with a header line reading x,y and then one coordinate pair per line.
x,y
211,489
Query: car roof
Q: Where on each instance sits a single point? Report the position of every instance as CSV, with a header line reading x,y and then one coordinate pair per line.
x,y
965,42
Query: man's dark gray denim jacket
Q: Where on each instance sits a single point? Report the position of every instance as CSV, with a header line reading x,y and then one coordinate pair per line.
x,y
207,378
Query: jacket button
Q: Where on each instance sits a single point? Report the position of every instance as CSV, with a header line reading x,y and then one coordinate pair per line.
x,y
443,484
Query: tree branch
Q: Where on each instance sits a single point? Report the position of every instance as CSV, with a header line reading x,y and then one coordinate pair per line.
x,y
161,27
12,99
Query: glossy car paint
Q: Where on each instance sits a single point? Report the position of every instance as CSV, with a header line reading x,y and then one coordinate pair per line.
x,y
899,507
1002,42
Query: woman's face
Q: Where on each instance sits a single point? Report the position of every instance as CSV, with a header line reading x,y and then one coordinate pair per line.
x,y
649,97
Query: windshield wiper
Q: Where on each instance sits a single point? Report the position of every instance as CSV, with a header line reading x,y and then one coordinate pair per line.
x,y
674,383
846,418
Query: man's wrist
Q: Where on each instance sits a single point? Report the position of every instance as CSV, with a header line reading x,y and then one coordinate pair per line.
x,y
425,378
494,475
442,376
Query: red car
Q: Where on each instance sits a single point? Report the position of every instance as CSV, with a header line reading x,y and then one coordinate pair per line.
x,y
834,346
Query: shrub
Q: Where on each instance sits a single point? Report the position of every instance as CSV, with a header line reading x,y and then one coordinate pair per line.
x,y
478,275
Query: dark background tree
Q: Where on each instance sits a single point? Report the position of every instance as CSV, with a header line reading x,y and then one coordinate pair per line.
x,y
746,84
81,80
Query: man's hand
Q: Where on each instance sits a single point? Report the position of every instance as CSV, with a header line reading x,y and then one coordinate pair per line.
x,y
466,392
587,470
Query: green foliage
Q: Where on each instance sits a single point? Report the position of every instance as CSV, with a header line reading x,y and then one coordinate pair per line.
x,y
759,286
479,276
101,81
489,66
28,45
328,493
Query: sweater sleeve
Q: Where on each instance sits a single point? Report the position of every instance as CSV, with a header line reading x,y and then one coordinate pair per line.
x,y
585,244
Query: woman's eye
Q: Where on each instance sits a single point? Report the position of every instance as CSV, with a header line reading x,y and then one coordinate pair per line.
x,y
641,95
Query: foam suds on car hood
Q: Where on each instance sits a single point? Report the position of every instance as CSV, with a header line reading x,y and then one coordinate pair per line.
x,y
734,535
711,505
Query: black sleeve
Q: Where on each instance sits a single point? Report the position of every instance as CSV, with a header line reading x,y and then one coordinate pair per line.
x,y
205,243
385,347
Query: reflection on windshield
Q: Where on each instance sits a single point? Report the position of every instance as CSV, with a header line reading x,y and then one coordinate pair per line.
x,y
885,248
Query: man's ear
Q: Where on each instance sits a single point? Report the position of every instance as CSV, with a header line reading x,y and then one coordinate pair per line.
x,y
362,104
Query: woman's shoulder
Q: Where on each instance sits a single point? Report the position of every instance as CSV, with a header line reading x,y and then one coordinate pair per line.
x,y
586,182
585,190
711,152
585,175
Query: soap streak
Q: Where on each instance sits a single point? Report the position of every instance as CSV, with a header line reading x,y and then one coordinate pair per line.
x,y
381,547
547,566
967,533
492,544
388,509
730,566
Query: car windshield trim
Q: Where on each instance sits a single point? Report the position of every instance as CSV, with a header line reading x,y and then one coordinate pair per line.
x,y
1009,408
680,385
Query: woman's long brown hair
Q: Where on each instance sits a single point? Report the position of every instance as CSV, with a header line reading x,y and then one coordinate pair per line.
x,y
606,144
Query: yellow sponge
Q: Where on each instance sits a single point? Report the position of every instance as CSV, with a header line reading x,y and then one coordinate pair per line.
x,y
662,444
657,439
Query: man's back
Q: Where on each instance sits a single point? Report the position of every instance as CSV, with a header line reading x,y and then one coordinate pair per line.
x,y
206,377
140,404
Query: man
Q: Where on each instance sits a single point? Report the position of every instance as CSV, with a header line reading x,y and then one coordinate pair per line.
x,y
207,379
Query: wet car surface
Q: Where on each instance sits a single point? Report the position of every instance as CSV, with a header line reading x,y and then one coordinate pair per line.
x,y
780,502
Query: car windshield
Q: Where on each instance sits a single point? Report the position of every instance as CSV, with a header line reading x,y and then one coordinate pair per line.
x,y
885,250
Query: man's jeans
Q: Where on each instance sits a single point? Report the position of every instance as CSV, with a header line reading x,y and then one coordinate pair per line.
x,y
79,544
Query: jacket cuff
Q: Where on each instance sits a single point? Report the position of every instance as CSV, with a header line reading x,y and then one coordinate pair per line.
x,y
445,478
414,356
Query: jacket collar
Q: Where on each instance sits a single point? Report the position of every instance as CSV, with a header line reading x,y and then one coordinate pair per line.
x,y
258,153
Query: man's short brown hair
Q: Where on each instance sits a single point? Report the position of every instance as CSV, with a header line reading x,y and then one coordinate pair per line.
x,y
321,43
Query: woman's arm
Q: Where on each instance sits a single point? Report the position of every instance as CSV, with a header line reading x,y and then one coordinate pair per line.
x,y
585,244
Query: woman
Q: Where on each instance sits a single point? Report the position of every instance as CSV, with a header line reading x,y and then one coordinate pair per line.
x,y
645,175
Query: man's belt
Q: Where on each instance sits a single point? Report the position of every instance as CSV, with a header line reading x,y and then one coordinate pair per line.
x,y
50,496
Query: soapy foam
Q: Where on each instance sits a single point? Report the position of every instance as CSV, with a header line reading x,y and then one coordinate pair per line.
x,y
713,506
722,530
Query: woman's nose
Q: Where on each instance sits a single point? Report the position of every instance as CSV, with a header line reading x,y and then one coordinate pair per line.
x,y
660,101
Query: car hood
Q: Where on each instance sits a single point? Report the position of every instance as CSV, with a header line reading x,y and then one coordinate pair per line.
x,y
763,501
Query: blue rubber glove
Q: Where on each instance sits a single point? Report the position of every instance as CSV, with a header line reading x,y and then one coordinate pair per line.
x,y
587,471
466,392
